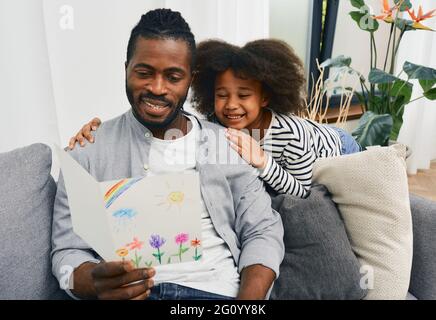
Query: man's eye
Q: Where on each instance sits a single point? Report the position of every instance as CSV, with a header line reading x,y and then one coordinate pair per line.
x,y
174,78
143,74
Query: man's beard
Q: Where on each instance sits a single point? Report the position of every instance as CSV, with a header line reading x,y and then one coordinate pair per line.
x,y
156,125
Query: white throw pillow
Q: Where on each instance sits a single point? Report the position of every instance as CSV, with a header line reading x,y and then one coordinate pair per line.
x,y
371,191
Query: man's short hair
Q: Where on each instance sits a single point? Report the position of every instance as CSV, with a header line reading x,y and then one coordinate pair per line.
x,y
162,24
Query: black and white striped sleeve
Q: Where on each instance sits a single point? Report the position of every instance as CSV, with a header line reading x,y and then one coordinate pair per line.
x,y
294,174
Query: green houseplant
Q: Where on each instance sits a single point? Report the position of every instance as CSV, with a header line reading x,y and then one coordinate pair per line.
x,y
384,94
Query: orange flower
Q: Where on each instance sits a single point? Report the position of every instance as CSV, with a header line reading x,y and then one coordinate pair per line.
x,y
122,252
136,244
195,243
421,17
387,12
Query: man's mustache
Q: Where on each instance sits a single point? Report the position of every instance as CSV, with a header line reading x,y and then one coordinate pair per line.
x,y
151,96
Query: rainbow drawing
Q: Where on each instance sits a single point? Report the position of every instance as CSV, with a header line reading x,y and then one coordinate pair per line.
x,y
118,189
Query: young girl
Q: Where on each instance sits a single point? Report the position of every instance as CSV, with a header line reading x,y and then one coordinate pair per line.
x,y
259,88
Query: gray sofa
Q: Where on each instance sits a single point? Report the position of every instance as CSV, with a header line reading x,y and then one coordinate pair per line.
x,y
26,203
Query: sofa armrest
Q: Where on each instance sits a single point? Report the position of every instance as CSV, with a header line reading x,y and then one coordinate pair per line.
x,y
423,277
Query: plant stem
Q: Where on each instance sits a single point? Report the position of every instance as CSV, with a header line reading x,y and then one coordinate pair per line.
x,y
401,88
399,41
375,49
371,63
158,254
389,45
364,95
391,69
417,99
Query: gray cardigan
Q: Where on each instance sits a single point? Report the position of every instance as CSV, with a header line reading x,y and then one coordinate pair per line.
x,y
235,198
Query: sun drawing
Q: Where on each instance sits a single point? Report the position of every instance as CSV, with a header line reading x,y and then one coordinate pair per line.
x,y
173,198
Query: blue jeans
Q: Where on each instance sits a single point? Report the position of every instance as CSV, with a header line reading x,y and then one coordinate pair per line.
x,y
172,291
349,144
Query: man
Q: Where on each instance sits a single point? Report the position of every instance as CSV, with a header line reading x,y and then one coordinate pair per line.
x,y
242,235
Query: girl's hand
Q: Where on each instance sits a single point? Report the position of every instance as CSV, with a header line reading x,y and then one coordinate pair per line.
x,y
248,148
85,133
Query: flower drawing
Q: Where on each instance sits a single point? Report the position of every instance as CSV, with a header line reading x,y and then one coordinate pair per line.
x,y
122,252
157,242
136,245
195,244
181,238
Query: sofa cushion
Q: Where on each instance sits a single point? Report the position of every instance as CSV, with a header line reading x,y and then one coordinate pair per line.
x,y
319,262
26,206
423,279
371,191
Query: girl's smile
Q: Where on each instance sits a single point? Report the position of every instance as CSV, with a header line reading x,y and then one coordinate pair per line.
x,y
240,102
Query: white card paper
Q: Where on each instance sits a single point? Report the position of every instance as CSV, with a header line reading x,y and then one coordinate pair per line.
x,y
148,220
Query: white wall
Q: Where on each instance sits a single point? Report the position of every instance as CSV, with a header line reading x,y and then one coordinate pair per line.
x,y
354,42
87,61
290,20
27,108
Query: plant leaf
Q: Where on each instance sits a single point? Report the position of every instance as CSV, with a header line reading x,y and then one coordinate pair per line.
x,y
375,103
373,129
396,126
430,94
337,62
360,97
383,87
406,4
427,84
184,250
379,76
402,88
357,3
415,71
365,21
405,24
420,26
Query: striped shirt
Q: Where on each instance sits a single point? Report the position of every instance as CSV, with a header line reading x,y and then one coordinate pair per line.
x,y
292,145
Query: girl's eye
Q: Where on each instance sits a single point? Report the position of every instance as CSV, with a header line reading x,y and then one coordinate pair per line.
x,y
243,96
221,95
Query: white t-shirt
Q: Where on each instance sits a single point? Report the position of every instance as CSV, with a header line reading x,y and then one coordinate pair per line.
x,y
216,271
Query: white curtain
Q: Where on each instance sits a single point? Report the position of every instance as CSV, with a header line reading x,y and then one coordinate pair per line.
x,y
27,106
62,62
419,126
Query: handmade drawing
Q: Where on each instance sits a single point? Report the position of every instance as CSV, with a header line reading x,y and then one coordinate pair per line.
x,y
157,242
174,197
195,244
133,219
118,189
181,238
136,245
122,253
123,218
